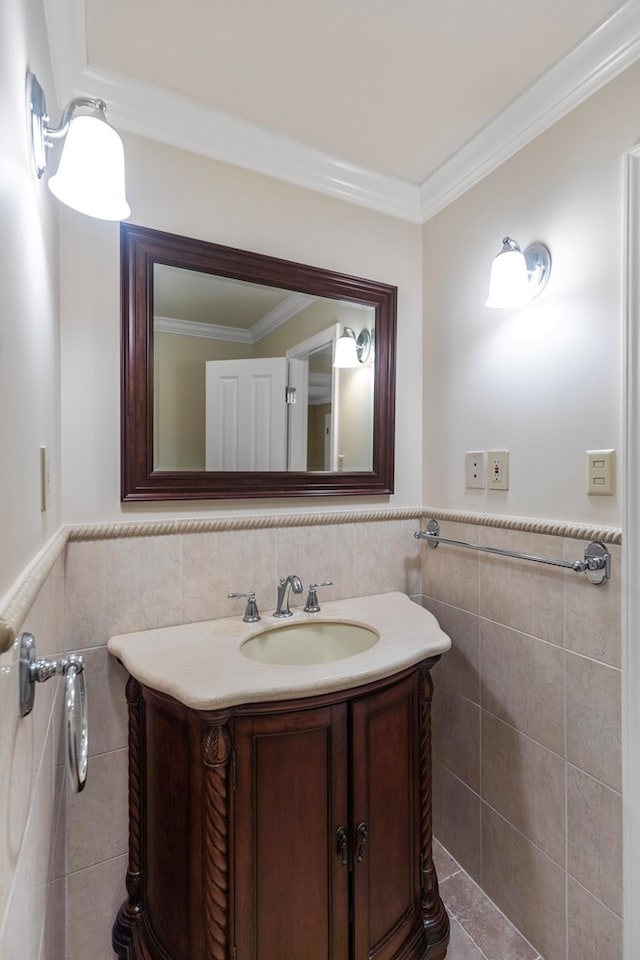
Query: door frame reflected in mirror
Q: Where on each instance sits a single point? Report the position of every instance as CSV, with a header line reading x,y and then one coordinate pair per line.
x,y
140,249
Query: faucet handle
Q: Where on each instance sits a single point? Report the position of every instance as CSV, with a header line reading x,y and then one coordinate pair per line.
x,y
251,614
312,605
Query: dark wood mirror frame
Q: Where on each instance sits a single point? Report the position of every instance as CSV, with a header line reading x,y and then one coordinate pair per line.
x,y
140,249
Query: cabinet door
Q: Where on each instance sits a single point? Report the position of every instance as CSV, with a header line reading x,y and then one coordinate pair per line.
x,y
387,918
291,884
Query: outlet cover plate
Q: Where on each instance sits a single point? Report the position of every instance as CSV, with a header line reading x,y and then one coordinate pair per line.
x,y
474,469
498,470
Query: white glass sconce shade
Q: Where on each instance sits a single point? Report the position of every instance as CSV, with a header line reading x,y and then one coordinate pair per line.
x,y
516,276
350,351
90,175
346,352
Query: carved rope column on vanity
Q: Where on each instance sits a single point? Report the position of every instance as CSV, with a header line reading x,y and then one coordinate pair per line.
x,y
435,917
216,756
130,911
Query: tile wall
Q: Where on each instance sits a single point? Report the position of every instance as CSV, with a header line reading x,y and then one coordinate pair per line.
x,y
32,793
526,719
527,772
116,586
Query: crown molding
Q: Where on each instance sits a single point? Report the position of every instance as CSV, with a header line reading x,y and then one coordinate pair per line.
x,y
600,57
206,331
178,121
288,308
285,310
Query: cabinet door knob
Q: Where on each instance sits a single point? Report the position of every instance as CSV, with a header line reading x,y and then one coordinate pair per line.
x,y
361,833
343,845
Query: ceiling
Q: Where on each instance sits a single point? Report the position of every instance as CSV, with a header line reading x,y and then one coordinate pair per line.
x,y
399,105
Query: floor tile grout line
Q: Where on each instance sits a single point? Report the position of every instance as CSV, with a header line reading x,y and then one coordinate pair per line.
x,y
494,905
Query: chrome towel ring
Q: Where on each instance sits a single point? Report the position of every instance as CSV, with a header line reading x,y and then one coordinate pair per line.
x,y
71,667
77,723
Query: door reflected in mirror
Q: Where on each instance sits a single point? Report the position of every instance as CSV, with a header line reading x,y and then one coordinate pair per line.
x,y
229,382
244,378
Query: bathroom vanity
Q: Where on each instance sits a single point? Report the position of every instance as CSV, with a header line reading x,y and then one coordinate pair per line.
x,y
282,811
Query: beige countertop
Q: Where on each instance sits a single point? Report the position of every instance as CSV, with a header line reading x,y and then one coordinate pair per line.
x,y
200,664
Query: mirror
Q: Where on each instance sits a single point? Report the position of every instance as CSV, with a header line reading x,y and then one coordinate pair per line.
x,y
229,387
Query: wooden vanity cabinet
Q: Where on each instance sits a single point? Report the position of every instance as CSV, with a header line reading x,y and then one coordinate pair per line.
x,y
297,830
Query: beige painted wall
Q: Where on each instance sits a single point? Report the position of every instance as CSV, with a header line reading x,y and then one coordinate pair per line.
x,y
176,191
29,328
179,400
543,382
355,417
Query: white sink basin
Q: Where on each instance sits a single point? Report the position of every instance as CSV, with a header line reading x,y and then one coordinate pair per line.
x,y
317,641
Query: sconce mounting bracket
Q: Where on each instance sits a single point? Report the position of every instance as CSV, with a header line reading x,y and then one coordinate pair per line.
x,y
538,261
38,120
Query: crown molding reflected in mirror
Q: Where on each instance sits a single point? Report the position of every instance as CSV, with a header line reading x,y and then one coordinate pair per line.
x,y
143,472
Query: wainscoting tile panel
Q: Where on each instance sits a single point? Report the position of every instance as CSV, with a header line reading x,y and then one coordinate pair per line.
x,y
86,588
444,862
320,553
594,719
143,583
595,932
523,683
454,805
105,681
456,735
387,557
459,668
233,561
26,904
518,593
94,897
594,837
525,884
54,940
451,573
99,830
592,613
525,783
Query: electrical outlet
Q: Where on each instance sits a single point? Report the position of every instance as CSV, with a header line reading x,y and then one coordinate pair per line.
x,y
474,470
498,470
600,473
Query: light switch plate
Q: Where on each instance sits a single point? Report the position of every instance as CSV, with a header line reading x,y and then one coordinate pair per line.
x,y
601,473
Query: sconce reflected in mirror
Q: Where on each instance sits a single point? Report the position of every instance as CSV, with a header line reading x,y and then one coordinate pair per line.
x,y
90,175
351,350
518,276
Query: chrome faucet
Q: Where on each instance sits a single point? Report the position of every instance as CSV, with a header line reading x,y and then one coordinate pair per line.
x,y
282,602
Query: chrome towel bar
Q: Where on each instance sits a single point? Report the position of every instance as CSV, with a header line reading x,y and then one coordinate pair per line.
x,y
71,667
596,563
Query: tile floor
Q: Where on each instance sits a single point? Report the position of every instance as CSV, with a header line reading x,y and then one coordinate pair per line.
x,y
479,931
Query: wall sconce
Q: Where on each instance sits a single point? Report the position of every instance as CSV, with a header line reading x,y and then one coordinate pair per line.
x,y
518,276
351,351
90,176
